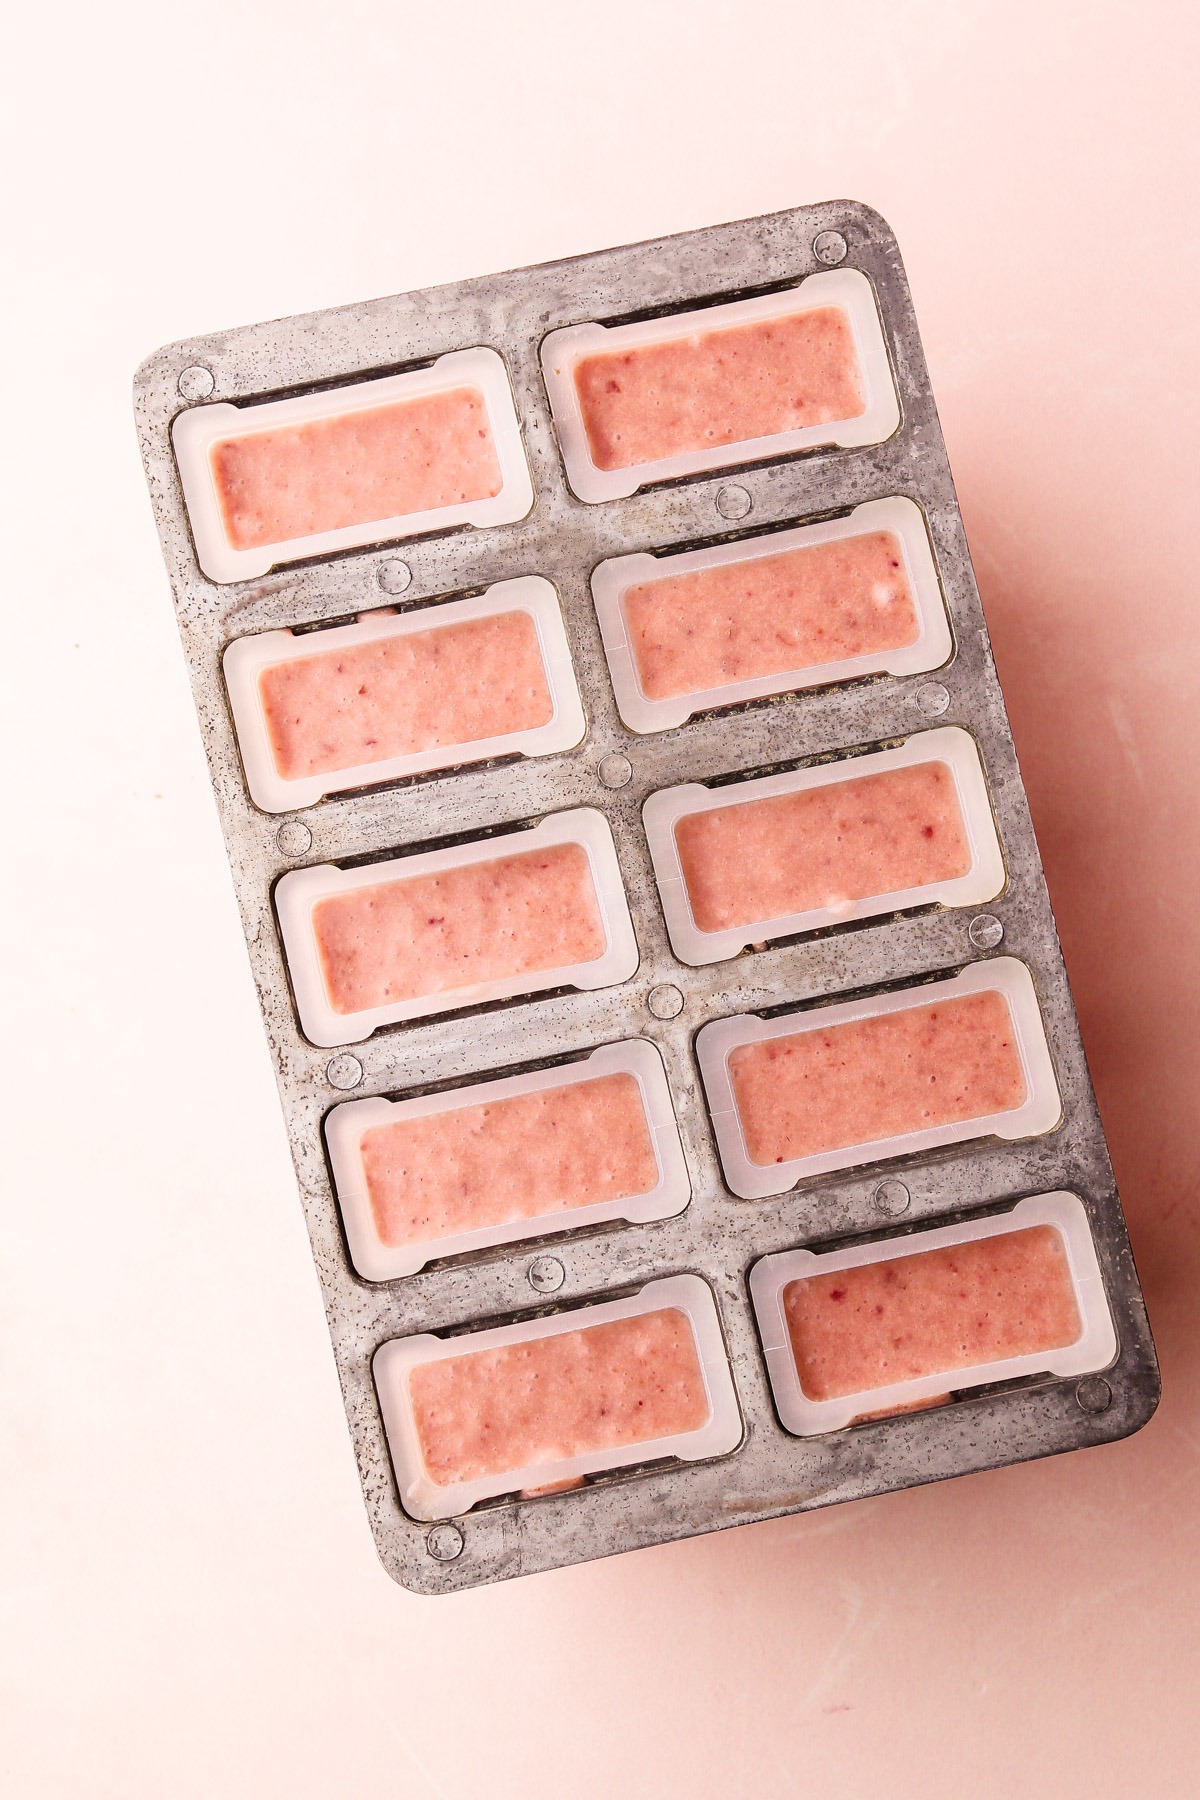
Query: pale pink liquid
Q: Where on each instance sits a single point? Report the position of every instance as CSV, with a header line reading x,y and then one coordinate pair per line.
x,y
352,468
804,608
822,847
486,921
719,387
398,696
599,1388
523,1157
931,1312
831,1087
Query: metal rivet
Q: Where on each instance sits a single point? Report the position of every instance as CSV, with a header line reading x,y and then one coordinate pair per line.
x,y
1093,1394
294,838
393,576
344,1071
614,771
733,502
892,1198
444,1542
545,1274
829,247
196,382
665,1002
932,699
985,932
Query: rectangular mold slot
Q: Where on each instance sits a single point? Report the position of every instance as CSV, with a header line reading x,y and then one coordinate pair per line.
x,y
280,481
498,1162
835,1087
400,694
713,386
545,1402
836,601
901,1323
844,840
390,941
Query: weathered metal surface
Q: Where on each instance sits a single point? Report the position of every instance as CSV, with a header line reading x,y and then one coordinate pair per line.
x,y
717,1236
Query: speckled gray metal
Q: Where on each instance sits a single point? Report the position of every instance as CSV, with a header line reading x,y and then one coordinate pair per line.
x,y
716,1236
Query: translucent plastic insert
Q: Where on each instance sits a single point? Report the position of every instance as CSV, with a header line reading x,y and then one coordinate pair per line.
x,y
871,834
548,1401
403,694
281,480
904,1322
513,914
796,609
735,383
504,1160
837,1086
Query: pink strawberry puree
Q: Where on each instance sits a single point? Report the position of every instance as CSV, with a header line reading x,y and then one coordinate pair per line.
x,y
829,1087
398,696
822,847
719,387
744,621
551,1398
930,1312
355,467
519,1158
485,921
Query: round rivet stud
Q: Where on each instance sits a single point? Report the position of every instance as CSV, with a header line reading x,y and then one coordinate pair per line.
x,y
614,771
393,576
733,502
344,1071
892,1198
294,838
1093,1395
545,1274
444,1543
829,247
985,932
932,699
195,383
665,1002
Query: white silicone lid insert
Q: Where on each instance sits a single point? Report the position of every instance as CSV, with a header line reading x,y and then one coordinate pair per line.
x,y
1094,1348
298,892
423,1498
847,289
197,431
930,649
1038,1113
246,658
346,1125
949,745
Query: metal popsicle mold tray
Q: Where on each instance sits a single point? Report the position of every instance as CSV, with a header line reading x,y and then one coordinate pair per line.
x,y
747,493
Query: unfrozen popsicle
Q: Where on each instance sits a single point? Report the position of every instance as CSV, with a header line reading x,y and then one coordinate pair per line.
x,y
744,621
931,1312
484,921
552,1398
724,386
527,1156
830,1087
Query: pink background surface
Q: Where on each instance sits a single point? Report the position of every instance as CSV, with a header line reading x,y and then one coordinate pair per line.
x,y
192,1602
